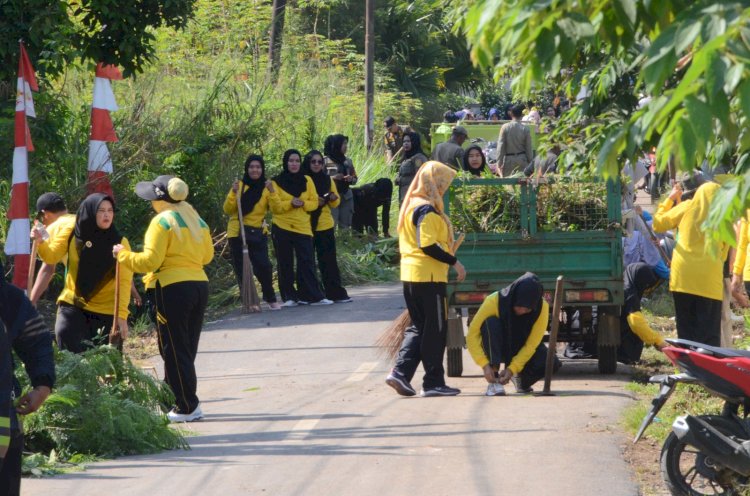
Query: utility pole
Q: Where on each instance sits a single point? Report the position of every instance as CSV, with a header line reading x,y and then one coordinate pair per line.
x,y
369,69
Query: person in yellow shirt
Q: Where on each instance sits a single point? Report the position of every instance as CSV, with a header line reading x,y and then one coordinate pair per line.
x,y
638,281
508,328
53,214
741,267
425,237
85,307
254,202
292,198
177,245
696,277
322,225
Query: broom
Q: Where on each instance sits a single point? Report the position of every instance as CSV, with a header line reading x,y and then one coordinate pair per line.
x,y
114,334
32,268
389,341
249,293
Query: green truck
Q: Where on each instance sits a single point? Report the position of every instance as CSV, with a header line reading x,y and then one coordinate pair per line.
x,y
551,226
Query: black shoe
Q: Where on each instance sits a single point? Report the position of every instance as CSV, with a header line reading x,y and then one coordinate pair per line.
x,y
398,381
439,391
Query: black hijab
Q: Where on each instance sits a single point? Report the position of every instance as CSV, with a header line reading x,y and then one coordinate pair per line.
x,y
250,197
467,167
526,291
332,149
416,145
322,182
293,183
639,278
96,265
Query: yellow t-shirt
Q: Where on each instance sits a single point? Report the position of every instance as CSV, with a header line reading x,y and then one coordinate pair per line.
x,y
325,221
288,217
169,257
489,308
253,218
62,245
417,266
694,270
741,267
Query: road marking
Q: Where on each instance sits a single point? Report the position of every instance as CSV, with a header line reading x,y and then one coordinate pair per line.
x,y
362,371
302,429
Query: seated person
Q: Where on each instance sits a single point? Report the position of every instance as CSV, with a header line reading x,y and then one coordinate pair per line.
x,y
367,199
639,280
508,328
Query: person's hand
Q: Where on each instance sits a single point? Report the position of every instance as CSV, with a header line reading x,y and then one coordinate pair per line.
x,y
460,271
489,374
117,249
738,291
332,197
348,179
269,186
31,401
661,346
235,186
122,328
39,232
296,202
505,376
137,300
338,177
321,201
676,194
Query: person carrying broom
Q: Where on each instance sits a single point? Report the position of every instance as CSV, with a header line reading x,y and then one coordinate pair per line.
x,y
426,245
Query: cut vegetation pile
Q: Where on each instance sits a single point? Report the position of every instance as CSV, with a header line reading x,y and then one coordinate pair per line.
x,y
560,206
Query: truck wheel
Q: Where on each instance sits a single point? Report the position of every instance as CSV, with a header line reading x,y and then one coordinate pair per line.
x,y
455,362
607,359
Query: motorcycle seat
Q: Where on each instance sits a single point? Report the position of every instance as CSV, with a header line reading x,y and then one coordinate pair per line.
x,y
712,350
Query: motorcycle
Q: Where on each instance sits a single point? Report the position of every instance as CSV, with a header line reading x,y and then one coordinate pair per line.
x,y
706,454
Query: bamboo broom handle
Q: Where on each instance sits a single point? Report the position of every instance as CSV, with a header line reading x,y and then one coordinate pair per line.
x,y
32,268
114,330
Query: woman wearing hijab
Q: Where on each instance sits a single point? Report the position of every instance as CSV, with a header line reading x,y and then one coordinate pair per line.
x,y
341,169
639,280
414,157
292,198
254,201
177,245
508,328
86,305
321,222
425,240
474,161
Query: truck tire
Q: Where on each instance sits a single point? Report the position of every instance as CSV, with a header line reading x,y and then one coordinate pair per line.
x,y
607,359
455,362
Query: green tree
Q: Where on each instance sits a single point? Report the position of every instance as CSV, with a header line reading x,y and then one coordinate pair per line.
x,y
691,57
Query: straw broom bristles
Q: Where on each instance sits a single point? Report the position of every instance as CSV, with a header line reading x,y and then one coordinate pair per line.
x,y
248,292
389,341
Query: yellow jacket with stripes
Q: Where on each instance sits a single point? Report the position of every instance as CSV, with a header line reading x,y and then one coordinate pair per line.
x,y
288,217
253,218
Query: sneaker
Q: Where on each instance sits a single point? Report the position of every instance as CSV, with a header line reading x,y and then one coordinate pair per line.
x,y
196,414
274,305
289,303
495,389
439,391
302,302
344,300
324,301
398,381
518,384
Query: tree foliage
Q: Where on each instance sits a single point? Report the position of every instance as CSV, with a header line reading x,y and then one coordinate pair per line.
x,y
110,31
691,57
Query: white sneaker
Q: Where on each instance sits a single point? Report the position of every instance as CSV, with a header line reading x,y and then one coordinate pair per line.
x,y
196,414
495,389
344,300
324,301
519,389
274,305
289,303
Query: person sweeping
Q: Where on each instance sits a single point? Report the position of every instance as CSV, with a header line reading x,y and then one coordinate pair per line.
x,y
176,247
426,245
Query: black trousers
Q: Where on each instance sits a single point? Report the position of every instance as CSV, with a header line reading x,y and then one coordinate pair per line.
x,y
424,340
288,246
78,330
697,318
257,248
330,275
492,345
10,473
179,319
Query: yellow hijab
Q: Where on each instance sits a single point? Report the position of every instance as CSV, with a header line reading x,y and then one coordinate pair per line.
x,y
432,181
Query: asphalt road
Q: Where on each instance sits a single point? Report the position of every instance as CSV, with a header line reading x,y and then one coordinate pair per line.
x,y
295,404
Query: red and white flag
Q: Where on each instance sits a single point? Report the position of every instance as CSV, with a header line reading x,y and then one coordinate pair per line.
x,y
18,242
102,130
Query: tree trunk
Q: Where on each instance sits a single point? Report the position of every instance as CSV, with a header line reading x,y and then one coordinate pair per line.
x,y
275,42
369,76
